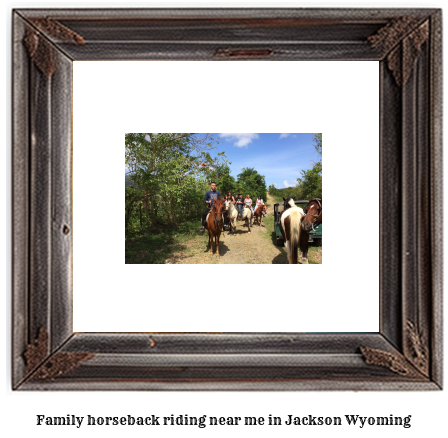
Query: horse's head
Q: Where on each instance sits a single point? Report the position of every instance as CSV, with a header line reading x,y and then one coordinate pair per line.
x,y
312,212
218,209
288,203
227,204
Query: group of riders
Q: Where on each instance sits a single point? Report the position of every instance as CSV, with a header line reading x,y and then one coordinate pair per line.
x,y
238,201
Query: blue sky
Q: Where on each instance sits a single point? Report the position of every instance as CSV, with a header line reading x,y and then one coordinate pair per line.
x,y
279,157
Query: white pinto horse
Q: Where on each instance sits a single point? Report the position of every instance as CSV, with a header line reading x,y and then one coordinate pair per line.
x,y
232,214
247,216
290,227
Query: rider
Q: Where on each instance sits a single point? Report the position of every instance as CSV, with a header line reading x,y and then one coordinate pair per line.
x,y
210,197
229,197
248,202
239,204
259,203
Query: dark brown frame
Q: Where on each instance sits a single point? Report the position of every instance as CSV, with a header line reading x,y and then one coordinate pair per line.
x,y
406,354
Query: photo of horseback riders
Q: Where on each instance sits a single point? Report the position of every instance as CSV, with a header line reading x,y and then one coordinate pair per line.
x,y
204,198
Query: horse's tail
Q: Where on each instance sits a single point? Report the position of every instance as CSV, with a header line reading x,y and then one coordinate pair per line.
x,y
294,235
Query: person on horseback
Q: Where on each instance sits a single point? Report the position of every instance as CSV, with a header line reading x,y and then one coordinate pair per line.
x,y
239,204
248,202
229,197
210,197
259,203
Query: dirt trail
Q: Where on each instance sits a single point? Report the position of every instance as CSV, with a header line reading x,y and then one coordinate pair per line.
x,y
258,247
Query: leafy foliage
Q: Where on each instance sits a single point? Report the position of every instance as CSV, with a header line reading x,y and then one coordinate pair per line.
x,y
311,181
293,192
250,182
317,140
167,176
224,181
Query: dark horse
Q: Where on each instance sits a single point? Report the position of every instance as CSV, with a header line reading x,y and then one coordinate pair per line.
x,y
214,223
312,218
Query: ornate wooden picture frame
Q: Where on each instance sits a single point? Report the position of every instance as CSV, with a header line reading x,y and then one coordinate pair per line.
x,y
406,353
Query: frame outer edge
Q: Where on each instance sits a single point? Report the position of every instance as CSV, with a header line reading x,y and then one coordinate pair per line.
x,y
436,137
249,12
20,199
40,310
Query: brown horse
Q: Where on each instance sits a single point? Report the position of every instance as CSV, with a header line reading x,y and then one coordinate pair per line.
x,y
215,223
258,215
312,218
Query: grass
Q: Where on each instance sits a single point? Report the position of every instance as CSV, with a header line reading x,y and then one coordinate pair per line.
x,y
157,244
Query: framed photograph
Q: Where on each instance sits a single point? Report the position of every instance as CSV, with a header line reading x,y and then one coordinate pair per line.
x,y
404,354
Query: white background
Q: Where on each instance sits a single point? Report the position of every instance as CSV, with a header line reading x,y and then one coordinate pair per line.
x,y
428,409
111,98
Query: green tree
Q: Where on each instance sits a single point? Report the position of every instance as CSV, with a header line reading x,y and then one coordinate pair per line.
x,y
250,181
224,181
317,140
311,181
169,172
293,192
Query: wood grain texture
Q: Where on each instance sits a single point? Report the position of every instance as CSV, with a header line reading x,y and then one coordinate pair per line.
x,y
406,354
20,198
436,195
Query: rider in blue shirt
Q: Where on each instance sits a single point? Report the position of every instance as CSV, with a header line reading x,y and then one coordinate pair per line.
x,y
210,197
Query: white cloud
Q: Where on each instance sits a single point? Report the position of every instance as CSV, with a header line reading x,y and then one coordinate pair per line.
x,y
292,183
275,185
288,135
240,140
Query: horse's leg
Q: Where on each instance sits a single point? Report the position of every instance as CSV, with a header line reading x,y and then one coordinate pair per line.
x,y
217,245
305,258
303,244
210,241
287,250
248,223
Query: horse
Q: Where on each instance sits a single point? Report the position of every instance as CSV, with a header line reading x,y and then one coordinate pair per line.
x,y
247,216
313,217
288,203
258,215
214,224
290,227
232,215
